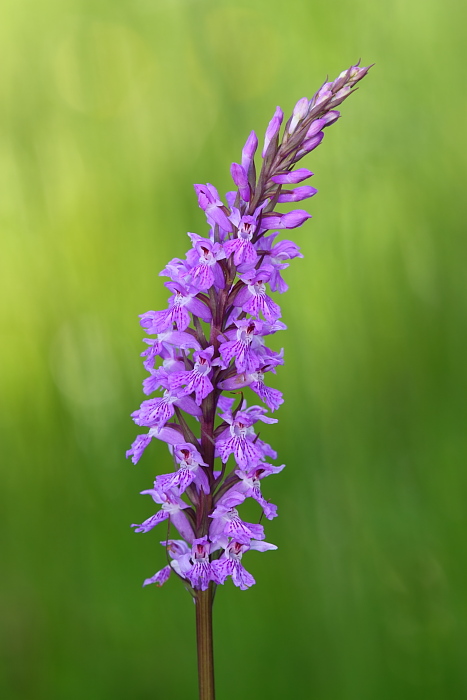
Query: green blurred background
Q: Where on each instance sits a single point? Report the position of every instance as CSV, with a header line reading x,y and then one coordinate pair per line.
x,y
110,110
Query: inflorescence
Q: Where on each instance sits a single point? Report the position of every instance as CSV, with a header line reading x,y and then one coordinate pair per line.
x,y
212,341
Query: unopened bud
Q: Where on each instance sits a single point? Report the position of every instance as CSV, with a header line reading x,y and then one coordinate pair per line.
x,y
299,112
273,129
249,150
240,178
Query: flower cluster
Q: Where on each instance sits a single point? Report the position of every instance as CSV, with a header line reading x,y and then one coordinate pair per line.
x,y
211,341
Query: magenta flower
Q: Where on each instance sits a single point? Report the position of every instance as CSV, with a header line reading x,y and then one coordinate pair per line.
x,y
196,380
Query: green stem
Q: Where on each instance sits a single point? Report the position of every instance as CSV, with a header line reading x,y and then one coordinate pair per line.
x,y
203,603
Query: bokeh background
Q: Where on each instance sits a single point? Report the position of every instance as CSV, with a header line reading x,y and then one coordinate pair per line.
x,y
110,110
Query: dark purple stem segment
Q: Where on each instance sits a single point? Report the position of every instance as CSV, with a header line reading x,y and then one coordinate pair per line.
x,y
203,604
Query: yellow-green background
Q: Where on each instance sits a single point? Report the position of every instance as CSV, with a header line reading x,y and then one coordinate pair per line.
x,y
110,110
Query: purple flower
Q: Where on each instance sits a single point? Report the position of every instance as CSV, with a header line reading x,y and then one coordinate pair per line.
x,y
154,413
276,256
243,442
167,434
189,471
230,563
160,577
253,298
244,349
172,507
271,397
250,485
161,377
199,570
182,301
226,521
242,248
204,266
178,550
163,342
138,447
208,200
197,379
